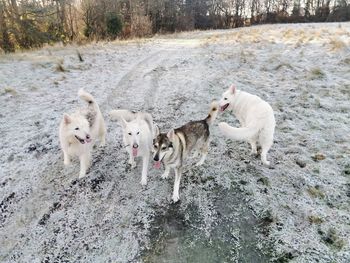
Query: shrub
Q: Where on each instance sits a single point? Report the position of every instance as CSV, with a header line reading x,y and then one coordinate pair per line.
x,y
114,25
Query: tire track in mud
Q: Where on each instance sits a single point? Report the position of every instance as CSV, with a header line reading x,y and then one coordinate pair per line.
x,y
174,226
146,68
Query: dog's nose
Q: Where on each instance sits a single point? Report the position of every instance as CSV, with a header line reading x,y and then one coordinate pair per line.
x,y
87,136
135,145
156,158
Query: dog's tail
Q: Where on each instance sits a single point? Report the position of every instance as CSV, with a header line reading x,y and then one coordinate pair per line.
x,y
125,114
239,134
88,98
214,109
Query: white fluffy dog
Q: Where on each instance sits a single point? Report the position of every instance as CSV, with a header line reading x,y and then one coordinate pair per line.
x,y
255,116
138,133
79,131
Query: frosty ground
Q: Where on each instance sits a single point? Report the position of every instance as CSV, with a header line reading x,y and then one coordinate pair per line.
x,y
232,208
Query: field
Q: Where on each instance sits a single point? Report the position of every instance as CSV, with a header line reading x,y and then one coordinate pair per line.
x,y
232,208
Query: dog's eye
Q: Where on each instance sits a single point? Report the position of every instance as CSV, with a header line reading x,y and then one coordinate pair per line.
x,y
138,133
77,129
155,146
129,133
225,98
164,148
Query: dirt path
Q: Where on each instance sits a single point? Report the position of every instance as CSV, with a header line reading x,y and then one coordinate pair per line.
x,y
232,209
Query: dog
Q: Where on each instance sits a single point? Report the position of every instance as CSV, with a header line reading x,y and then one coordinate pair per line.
x,y
255,116
172,148
138,132
78,132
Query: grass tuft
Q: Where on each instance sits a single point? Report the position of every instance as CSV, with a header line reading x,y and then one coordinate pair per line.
x,y
315,220
318,157
316,192
331,238
337,44
60,68
317,73
9,90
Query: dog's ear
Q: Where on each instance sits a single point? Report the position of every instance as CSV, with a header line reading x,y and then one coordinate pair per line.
x,y
156,128
233,89
171,134
123,122
139,116
114,114
67,119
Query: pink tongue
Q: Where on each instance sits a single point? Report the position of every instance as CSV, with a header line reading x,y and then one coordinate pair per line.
x,y
157,165
134,152
88,140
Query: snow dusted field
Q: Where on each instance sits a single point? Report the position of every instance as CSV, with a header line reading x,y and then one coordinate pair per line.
x,y
232,209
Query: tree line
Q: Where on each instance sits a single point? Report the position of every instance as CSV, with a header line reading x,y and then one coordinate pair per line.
x,y
26,24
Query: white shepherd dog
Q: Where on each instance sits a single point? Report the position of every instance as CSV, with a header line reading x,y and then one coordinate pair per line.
x,y
255,116
138,133
79,131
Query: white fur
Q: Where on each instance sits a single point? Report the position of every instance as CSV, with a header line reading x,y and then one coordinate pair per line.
x,y
255,116
138,130
70,145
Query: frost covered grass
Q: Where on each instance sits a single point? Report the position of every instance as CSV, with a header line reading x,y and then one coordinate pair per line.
x,y
232,208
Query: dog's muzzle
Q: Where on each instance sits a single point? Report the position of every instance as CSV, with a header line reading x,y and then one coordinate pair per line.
x,y
222,108
158,162
83,141
156,158
135,147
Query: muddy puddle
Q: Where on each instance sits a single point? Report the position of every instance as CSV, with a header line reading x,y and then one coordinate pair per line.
x,y
180,235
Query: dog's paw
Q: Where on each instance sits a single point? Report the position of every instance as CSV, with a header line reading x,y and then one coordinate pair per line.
x,y
254,152
143,182
176,198
132,164
165,175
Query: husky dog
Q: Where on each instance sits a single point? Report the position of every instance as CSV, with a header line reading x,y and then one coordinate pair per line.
x,y
255,116
138,132
79,131
172,148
